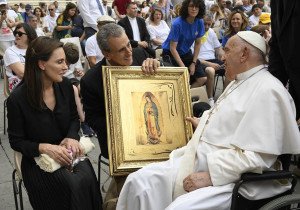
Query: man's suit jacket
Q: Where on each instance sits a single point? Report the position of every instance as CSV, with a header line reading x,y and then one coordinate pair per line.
x,y
285,44
128,29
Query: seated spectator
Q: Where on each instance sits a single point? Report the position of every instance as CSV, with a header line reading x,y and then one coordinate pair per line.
x,y
64,22
237,22
229,5
222,5
42,119
51,17
219,20
28,11
177,10
22,7
136,30
254,19
43,7
157,28
247,6
75,71
19,16
145,9
8,20
210,47
93,52
78,31
187,29
166,7
33,22
14,57
107,8
41,23
202,174
263,6
117,51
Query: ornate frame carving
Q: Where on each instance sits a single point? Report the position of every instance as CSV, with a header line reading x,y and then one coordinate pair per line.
x,y
150,121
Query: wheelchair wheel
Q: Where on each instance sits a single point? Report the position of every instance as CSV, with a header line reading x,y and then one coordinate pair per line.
x,y
284,202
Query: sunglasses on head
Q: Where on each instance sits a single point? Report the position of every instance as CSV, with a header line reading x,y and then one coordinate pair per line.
x,y
19,33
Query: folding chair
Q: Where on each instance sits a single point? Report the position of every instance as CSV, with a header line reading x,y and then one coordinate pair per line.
x,y
17,177
198,94
6,93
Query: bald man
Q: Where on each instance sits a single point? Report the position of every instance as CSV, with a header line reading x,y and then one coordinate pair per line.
x,y
243,132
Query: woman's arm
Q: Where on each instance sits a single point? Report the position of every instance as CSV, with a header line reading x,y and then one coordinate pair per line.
x,y
175,54
18,68
61,28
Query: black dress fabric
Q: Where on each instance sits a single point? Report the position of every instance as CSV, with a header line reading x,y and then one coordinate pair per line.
x,y
27,127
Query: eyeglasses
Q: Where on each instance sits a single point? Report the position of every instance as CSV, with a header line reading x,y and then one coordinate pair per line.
x,y
50,9
193,6
19,33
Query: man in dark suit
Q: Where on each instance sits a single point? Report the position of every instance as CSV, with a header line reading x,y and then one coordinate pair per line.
x,y
117,51
136,30
284,45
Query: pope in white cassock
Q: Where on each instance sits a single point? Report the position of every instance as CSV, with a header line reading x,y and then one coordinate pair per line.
x,y
252,123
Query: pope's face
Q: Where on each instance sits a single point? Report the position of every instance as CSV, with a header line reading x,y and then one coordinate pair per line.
x,y
231,57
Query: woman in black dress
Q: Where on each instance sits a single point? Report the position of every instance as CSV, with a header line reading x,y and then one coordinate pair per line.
x,y
42,118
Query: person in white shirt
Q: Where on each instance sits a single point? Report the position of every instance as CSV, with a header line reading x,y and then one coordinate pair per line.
x,y
51,17
227,141
92,50
254,19
90,11
41,22
8,21
158,29
210,47
14,57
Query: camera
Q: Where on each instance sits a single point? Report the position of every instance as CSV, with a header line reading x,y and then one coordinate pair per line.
x,y
2,12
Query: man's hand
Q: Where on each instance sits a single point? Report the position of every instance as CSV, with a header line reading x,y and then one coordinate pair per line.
x,y
73,145
196,181
194,120
150,66
192,68
143,44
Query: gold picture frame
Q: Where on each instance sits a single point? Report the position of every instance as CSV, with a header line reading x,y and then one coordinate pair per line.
x,y
150,121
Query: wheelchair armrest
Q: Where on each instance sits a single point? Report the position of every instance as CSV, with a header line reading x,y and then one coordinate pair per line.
x,y
267,175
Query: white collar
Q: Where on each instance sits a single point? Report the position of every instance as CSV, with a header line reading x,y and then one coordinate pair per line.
x,y
247,74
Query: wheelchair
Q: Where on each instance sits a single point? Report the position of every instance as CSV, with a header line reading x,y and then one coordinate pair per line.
x,y
282,201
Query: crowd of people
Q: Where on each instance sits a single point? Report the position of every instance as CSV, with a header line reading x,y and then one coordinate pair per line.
x,y
50,90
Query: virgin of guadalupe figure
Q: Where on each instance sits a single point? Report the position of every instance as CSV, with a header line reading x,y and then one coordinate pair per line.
x,y
151,120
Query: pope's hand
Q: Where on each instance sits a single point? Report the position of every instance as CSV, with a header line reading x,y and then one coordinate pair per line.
x,y
194,120
196,181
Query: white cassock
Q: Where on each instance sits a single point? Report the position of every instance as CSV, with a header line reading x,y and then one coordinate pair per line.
x,y
252,123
